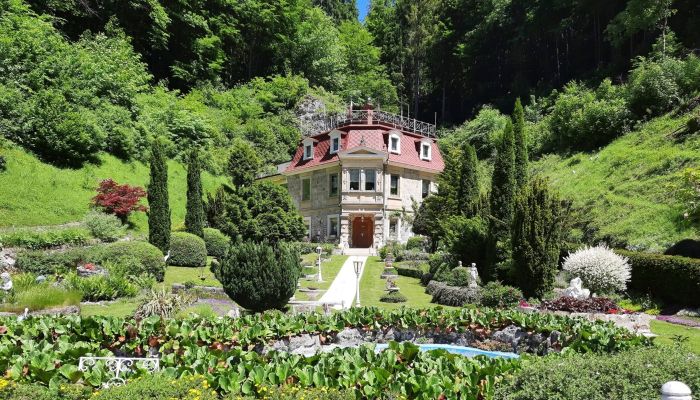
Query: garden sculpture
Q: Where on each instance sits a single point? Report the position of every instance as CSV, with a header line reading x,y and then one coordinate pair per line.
x,y
473,276
576,290
6,281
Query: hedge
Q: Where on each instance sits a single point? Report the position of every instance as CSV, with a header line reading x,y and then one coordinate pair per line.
x,y
310,247
187,250
452,295
672,279
217,243
147,257
408,271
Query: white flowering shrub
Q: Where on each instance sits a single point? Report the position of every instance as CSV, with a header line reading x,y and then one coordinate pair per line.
x,y
600,269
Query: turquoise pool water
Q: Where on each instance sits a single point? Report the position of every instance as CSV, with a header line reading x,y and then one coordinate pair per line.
x,y
462,350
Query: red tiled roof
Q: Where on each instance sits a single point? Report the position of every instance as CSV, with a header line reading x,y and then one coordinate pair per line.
x,y
372,138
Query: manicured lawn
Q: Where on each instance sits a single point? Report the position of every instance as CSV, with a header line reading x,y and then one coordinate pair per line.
x,y
184,274
121,308
372,287
668,332
329,270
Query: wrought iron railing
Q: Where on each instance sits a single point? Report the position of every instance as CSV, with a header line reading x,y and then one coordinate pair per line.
x,y
381,118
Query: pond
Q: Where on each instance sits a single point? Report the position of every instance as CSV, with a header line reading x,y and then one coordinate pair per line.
x,y
461,350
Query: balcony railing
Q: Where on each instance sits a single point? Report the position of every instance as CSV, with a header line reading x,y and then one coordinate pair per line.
x,y
362,117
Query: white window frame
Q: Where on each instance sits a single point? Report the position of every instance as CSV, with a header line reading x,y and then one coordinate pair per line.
x,y
398,184
335,136
396,136
329,218
308,149
426,145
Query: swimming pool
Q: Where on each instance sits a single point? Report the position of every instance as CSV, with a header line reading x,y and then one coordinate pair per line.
x,y
461,350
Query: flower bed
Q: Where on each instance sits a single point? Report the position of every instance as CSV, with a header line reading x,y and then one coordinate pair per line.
x,y
46,350
590,305
672,319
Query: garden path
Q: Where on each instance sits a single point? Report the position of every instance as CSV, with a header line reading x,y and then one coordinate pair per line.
x,y
343,287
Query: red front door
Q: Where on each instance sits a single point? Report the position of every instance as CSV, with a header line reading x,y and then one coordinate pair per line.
x,y
362,232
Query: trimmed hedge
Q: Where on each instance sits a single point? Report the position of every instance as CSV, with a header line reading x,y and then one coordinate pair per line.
x,y
42,262
672,279
217,243
187,250
310,247
147,258
393,297
452,295
408,271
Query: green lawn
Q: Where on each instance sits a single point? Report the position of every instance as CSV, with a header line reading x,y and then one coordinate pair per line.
x,y
667,332
372,287
62,195
121,308
185,274
329,270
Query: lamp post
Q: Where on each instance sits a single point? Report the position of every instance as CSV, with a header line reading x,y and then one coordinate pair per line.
x,y
318,263
357,265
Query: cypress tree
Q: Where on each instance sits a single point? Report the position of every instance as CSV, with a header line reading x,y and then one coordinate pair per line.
x,y
501,201
536,239
194,217
521,160
159,207
468,187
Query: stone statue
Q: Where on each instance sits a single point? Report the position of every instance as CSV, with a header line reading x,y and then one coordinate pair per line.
x,y
576,290
473,276
6,281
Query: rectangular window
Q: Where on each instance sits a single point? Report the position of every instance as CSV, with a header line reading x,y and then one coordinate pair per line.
x,y
332,185
370,179
426,188
394,186
333,226
305,189
393,225
307,225
425,151
335,145
308,151
394,143
354,179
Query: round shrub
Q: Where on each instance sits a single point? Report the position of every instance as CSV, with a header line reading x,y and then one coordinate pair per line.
x,y
142,257
259,277
106,227
217,243
187,250
600,269
458,277
494,294
393,297
419,243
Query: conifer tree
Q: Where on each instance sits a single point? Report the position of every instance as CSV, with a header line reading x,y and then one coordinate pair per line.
x,y
194,217
501,201
158,202
521,159
468,188
536,239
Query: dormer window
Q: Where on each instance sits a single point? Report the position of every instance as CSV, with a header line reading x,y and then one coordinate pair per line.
x,y
395,143
335,142
308,149
425,151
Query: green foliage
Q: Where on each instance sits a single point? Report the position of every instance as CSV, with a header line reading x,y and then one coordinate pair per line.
x,y
158,201
159,386
44,238
243,164
653,87
583,119
48,263
458,276
187,250
261,212
483,132
456,296
689,192
393,297
310,247
537,230
41,297
100,287
521,145
217,243
141,257
260,277
634,374
162,303
417,243
194,217
495,294
673,279
465,238
106,227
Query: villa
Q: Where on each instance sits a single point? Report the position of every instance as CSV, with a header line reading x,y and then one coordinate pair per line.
x,y
357,181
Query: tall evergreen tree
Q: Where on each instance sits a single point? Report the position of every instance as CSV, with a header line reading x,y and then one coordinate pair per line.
x,y
521,160
194,217
468,187
501,201
536,239
158,203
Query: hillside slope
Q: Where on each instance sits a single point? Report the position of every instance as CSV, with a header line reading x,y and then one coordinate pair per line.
x,y
33,193
625,190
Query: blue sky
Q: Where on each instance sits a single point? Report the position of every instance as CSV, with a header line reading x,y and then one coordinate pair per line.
x,y
363,6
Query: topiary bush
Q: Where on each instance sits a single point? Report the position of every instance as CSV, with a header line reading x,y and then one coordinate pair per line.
x,y
217,243
456,277
452,295
260,277
393,297
106,227
187,250
143,257
495,294
601,270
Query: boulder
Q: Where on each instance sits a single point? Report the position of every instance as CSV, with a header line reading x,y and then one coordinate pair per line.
x,y
349,337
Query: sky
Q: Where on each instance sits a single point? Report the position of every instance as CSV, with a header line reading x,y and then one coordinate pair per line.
x,y
363,6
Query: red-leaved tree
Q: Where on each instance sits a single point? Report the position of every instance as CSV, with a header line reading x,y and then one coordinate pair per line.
x,y
119,200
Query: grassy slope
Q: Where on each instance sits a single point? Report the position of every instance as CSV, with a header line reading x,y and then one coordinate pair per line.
x,y
372,287
669,332
625,189
34,193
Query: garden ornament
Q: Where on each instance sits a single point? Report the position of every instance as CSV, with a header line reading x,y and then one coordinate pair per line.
x,y
40,279
473,276
6,281
576,290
